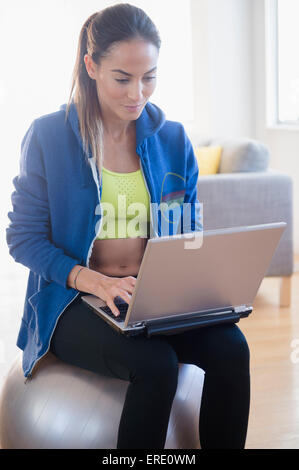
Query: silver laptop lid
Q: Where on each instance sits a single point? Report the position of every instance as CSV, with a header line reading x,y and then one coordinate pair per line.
x,y
226,271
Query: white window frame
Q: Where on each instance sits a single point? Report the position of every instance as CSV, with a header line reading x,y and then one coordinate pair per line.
x,y
271,72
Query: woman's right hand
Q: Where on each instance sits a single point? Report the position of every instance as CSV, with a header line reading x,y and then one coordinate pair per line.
x,y
107,288
102,286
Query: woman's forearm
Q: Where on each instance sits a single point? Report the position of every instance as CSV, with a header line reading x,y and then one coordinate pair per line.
x,y
86,281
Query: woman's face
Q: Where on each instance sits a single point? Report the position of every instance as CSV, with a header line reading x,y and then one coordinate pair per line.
x,y
127,77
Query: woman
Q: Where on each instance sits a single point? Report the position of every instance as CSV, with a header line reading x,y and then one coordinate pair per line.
x,y
111,141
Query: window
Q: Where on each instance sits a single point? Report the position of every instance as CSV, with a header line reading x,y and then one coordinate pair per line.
x,y
282,47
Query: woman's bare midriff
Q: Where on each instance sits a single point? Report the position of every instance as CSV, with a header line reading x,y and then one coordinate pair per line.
x,y
118,257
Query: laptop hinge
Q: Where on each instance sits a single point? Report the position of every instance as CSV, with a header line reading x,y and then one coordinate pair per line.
x,y
187,324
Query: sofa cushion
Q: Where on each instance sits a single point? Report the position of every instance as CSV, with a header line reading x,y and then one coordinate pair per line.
x,y
241,154
208,159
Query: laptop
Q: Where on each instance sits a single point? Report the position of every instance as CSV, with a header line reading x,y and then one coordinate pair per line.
x,y
179,289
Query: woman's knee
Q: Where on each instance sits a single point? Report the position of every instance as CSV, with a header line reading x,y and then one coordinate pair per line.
x,y
159,364
231,351
239,352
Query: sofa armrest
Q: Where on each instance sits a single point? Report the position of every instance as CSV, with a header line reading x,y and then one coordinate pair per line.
x,y
237,199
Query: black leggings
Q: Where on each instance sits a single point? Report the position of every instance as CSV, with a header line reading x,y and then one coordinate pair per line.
x,y
83,339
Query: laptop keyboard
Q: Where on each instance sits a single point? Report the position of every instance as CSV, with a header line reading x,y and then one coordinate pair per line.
x,y
123,308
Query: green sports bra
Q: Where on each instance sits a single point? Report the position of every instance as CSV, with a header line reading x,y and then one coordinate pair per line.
x,y
125,205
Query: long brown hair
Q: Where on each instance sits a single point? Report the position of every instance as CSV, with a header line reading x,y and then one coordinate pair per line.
x,y
121,22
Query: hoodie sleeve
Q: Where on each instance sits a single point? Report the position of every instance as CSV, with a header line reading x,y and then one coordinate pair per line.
x,y
192,208
28,233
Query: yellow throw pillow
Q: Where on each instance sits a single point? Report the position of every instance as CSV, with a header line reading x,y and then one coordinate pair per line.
x,y
208,159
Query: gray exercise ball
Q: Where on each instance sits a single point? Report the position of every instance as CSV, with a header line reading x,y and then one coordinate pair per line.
x,y
67,407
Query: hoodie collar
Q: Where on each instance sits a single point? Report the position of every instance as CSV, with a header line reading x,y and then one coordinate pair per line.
x,y
149,122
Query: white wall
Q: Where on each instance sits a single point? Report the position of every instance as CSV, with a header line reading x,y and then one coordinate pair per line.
x,y
282,143
229,77
222,50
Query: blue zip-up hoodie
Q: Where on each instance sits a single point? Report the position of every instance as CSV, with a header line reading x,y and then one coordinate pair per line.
x,y
56,209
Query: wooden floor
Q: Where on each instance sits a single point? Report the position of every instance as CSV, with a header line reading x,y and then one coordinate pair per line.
x,y
271,333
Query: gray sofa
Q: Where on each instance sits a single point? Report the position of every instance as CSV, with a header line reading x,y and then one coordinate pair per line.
x,y
245,191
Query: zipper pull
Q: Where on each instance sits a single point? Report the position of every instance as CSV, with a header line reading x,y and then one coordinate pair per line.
x,y
29,376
